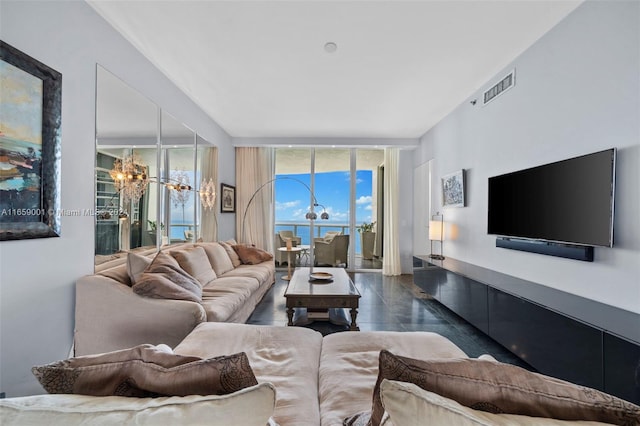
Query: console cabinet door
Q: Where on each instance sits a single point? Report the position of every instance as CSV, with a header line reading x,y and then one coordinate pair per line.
x,y
467,298
622,368
428,277
551,343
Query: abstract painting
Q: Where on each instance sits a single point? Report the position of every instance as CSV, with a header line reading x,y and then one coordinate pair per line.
x,y
30,109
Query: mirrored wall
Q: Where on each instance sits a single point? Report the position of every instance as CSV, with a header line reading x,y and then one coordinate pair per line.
x,y
155,177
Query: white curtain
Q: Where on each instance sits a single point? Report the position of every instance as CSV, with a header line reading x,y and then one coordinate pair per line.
x,y
209,168
254,222
391,261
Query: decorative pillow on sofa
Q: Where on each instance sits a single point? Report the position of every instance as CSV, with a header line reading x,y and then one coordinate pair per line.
x,y
218,257
195,262
165,279
409,405
228,246
136,264
251,406
503,388
145,371
251,255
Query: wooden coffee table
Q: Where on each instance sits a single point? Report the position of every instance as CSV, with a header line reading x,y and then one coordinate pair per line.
x,y
318,296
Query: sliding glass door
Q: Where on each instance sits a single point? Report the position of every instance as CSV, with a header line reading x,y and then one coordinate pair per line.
x,y
345,184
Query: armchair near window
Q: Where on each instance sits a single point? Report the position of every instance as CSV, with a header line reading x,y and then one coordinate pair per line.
x,y
281,241
333,252
328,236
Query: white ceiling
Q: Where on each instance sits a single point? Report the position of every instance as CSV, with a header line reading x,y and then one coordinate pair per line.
x,y
259,68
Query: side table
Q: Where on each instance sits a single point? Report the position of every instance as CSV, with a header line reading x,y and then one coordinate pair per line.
x,y
289,251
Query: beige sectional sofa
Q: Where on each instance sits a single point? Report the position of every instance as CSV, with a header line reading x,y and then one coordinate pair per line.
x,y
305,379
110,315
318,381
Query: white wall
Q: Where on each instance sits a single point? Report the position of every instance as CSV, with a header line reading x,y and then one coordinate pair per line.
x,y
37,276
421,208
577,91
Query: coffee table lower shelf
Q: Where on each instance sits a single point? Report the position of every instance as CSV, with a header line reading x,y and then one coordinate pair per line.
x,y
337,316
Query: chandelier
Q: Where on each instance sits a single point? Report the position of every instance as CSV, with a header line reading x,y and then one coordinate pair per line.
x,y
129,177
208,194
179,182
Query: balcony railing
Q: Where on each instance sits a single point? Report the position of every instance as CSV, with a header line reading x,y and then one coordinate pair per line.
x,y
301,229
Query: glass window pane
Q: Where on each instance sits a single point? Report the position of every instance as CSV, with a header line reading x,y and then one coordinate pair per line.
x,y
333,189
292,191
368,202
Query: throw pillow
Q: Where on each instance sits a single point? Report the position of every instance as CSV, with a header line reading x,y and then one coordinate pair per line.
x,y
218,257
145,371
502,388
251,255
136,264
235,259
251,406
195,262
165,279
409,405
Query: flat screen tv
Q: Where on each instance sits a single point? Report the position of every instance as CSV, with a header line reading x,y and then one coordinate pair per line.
x,y
569,201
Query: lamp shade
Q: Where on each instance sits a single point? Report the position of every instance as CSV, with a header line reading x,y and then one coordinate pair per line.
x,y
436,230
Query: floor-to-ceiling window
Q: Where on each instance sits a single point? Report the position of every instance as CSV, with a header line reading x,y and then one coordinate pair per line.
x,y
369,199
345,183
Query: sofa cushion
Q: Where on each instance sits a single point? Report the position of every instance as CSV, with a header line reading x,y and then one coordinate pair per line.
x,y
503,388
409,405
354,354
119,273
251,406
136,265
165,279
263,272
228,246
218,257
251,255
224,296
195,262
288,357
146,371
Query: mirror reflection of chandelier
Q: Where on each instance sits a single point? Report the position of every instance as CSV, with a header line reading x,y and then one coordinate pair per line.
x,y
208,194
129,176
179,182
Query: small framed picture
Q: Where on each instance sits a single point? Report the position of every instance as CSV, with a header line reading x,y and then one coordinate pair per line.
x,y
228,203
453,189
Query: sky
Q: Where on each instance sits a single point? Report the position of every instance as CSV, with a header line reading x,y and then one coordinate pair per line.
x,y
331,190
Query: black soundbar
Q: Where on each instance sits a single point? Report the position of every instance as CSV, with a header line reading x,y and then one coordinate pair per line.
x,y
569,251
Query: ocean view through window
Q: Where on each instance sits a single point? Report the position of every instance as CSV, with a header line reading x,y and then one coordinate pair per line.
x,y
293,202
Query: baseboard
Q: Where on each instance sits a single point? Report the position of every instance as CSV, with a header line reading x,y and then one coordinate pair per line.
x,y
569,251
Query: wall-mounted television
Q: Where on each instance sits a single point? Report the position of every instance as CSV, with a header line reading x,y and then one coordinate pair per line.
x,y
569,201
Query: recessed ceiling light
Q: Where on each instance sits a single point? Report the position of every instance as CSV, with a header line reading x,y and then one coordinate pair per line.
x,y
330,47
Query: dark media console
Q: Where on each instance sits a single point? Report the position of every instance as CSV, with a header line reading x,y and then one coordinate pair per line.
x,y
570,251
557,333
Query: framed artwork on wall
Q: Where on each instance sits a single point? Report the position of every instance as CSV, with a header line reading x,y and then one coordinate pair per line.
x,y
30,111
453,189
228,200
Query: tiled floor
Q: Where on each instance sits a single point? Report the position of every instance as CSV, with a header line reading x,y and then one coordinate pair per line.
x,y
394,304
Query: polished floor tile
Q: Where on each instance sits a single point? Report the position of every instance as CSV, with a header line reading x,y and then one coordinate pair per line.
x,y
391,304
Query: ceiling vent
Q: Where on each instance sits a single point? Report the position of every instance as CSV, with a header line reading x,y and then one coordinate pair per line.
x,y
499,88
